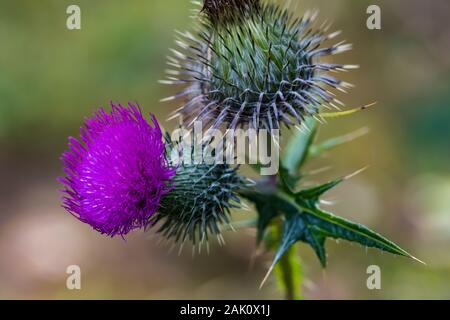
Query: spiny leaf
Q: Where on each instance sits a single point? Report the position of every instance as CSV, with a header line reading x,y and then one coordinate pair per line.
x,y
288,271
288,180
267,211
315,193
328,225
306,222
296,228
292,229
309,235
298,146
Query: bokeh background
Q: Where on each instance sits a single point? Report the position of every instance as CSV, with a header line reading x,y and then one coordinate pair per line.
x,y
51,77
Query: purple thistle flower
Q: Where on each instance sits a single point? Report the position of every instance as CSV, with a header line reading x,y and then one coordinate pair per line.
x,y
117,171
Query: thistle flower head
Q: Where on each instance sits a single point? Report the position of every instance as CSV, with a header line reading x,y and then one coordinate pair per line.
x,y
260,70
116,173
201,200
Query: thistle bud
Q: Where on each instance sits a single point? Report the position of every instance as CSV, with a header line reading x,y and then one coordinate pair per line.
x,y
201,200
254,65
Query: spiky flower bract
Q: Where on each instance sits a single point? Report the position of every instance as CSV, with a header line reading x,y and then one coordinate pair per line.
x,y
260,70
201,200
117,171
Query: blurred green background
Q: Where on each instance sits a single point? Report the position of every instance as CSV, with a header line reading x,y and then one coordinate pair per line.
x,y
51,77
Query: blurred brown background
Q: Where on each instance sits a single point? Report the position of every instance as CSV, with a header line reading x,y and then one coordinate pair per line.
x,y
51,77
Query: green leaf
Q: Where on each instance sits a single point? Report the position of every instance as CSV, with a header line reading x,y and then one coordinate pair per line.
x,y
327,225
304,221
307,223
315,193
298,146
267,210
288,180
296,228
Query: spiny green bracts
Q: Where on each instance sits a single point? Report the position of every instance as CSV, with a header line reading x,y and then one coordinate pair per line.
x,y
201,199
261,70
295,211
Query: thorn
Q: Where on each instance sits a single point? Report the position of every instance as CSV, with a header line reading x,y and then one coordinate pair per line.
x,y
222,239
351,66
267,276
174,116
335,106
327,202
173,72
180,250
342,48
314,15
166,82
321,121
339,102
245,207
171,98
416,259
347,112
347,85
369,105
355,173
334,34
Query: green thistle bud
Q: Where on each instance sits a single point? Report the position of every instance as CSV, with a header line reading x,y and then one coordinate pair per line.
x,y
201,199
260,69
